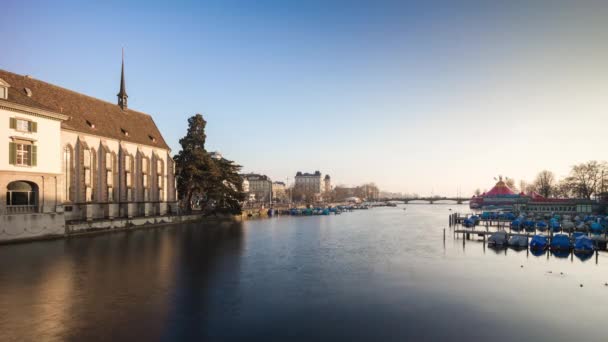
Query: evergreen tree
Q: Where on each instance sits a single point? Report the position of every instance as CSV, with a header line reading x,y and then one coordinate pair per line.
x,y
217,180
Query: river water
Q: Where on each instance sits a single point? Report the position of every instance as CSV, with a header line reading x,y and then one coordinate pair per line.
x,y
379,274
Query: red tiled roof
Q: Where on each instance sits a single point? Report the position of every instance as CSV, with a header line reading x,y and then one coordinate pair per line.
x,y
108,118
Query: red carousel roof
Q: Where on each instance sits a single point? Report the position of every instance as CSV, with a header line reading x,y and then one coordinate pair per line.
x,y
500,188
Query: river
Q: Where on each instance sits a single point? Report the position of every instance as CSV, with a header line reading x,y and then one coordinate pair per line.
x,y
378,274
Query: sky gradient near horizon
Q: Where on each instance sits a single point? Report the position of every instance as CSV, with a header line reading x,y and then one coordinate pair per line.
x,y
419,97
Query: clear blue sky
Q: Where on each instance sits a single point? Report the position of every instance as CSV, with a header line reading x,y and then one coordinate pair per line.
x,y
417,97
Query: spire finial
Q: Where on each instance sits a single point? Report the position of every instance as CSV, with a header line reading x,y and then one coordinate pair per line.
x,y
122,95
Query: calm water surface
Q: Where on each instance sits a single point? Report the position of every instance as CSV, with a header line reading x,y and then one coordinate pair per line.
x,y
380,274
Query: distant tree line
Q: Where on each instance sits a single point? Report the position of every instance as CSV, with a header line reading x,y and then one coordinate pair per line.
x,y
586,180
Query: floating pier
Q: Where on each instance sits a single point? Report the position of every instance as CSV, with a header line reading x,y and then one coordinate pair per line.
x,y
486,227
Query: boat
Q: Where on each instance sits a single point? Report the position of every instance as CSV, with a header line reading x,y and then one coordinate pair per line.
x,y
597,228
568,226
541,225
518,241
560,242
583,244
529,225
576,235
539,242
581,227
498,239
555,226
516,224
468,222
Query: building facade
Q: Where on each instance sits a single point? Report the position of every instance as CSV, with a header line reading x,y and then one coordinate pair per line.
x,y
308,182
327,184
279,192
76,157
260,186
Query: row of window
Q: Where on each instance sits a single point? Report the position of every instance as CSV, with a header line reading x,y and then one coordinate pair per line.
x,y
88,169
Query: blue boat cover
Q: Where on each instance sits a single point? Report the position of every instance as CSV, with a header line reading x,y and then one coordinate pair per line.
x,y
538,242
576,235
583,244
596,227
560,241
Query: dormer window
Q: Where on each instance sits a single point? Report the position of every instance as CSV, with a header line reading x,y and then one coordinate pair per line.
x,y
92,125
28,92
124,132
4,89
153,139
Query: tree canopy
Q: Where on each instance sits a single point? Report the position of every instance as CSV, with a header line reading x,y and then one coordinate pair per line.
x,y
217,180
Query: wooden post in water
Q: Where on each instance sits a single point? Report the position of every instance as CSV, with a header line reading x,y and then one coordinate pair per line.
x,y
443,234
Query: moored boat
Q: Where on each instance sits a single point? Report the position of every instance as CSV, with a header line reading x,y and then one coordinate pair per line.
x,y
554,225
597,228
560,242
539,242
541,225
518,241
468,222
568,226
583,244
498,239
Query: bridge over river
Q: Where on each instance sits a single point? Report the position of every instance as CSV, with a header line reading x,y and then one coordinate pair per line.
x,y
429,200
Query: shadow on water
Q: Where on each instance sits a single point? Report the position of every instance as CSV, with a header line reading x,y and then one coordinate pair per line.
x,y
130,285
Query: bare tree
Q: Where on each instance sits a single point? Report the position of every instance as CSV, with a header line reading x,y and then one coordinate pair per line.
x,y
587,179
510,182
544,183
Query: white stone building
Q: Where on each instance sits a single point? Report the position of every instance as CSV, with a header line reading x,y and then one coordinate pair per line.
x,y
308,182
70,157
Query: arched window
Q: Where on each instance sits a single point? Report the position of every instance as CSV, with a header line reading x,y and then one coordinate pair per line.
x,y
87,163
160,171
109,172
21,197
145,172
67,173
128,160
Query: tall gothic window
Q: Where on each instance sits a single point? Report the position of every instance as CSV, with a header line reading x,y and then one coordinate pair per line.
x,y
86,164
128,176
67,172
145,171
110,176
159,175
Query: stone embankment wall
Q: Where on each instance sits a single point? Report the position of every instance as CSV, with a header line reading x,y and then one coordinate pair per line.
x,y
27,227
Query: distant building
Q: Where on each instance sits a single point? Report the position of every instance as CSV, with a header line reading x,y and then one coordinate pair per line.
x,y
216,155
279,193
308,182
245,185
503,197
327,183
260,186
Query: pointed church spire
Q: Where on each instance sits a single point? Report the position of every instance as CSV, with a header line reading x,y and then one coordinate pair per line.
x,y
122,95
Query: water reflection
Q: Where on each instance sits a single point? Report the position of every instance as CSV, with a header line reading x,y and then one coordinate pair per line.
x,y
381,274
